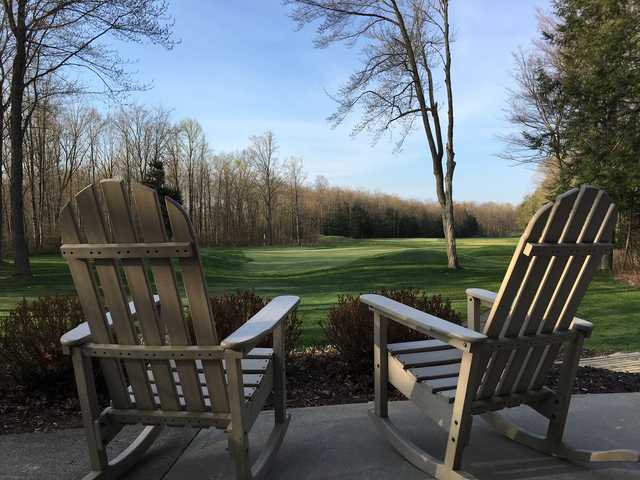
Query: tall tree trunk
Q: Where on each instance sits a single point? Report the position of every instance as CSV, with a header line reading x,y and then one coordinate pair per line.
x,y
444,182
16,135
269,222
1,179
450,233
297,218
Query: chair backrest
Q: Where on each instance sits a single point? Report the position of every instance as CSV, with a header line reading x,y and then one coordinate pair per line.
x,y
120,258
553,264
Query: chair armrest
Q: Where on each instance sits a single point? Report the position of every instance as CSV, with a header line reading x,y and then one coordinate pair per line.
x,y
261,324
82,333
485,296
581,325
77,336
421,321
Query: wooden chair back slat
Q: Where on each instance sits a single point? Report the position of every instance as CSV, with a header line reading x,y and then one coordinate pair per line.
x,y
123,231
544,224
199,303
547,313
543,283
114,295
540,293
539,229
581,271
171,309
94,309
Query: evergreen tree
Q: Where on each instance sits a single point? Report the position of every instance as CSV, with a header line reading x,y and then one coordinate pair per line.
x,y
154,178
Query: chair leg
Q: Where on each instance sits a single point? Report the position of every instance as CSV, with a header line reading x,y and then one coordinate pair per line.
x,y
98,436
281,419
381,364
471,369
558,418
279,375
238,436
83,371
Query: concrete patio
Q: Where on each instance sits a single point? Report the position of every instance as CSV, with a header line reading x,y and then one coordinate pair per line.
x,y
339,442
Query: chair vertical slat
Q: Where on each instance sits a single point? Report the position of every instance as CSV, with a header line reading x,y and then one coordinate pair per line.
x,y
510,307
199,303
586,272
93,309
114,295
171,312
581,272
515,272
123,231
545,283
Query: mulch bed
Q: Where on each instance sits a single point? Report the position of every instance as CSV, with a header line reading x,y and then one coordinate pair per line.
x,y
315,377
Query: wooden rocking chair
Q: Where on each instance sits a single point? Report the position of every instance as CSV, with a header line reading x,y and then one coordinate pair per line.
x,y
159,368
462,372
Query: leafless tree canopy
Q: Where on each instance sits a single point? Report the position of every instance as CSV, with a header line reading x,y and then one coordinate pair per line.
x,y
73,34
384,87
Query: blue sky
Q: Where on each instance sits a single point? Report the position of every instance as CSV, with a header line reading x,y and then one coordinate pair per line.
x,y
241,68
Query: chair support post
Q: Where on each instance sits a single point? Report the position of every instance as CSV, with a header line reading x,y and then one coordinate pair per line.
x,y
471,370
558,420
381,364
83,369
238,437
473,313
279,374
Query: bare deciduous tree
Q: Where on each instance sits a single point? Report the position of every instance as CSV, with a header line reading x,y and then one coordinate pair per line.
x,y
296,177
263,156
49,37
6,54
406,43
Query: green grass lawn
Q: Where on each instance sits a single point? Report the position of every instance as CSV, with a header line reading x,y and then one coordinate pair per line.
x,y
318,274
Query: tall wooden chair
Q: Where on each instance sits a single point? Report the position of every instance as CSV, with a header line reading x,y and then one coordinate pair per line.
x,y
159,368
466,372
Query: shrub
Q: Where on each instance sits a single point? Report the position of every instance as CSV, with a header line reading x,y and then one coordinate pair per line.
x,y
231,310
349,324
30,349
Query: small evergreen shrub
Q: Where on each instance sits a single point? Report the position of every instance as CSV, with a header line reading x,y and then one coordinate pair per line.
x,y
30,349
231,310
349,324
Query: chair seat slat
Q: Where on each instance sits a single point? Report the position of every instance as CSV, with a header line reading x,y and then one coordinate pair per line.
x,y
438,371
427,359
442,384
418,346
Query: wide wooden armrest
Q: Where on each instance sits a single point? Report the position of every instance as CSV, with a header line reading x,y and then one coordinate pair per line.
x,y
82,334
581,325
421,321
78,335
485,296
262,323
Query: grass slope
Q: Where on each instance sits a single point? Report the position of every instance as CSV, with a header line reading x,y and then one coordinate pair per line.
x,y
318,274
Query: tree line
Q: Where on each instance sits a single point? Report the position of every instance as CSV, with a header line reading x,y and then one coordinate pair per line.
x,y
52,49
576,108
248,197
